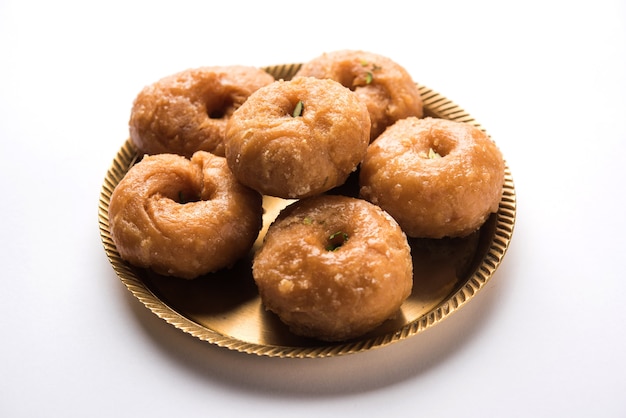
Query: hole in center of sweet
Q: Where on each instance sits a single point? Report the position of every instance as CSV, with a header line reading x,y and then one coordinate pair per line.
x,y
336,240
187,196
217,114
221,110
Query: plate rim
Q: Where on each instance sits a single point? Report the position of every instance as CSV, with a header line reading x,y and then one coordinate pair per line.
x,y
435,104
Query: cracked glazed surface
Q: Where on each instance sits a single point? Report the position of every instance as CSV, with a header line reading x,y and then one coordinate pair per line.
x,y
280,155
385,87
436,177
183,217
188,111
333,267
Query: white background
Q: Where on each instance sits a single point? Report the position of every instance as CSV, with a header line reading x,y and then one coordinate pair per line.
x,y
546,337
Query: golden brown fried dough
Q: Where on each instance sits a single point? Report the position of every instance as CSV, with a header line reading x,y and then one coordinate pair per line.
x,y
381,83
297,138
333,267
188,111
183,217
436,177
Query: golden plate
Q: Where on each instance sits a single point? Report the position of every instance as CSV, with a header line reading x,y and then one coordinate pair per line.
x,y
225,308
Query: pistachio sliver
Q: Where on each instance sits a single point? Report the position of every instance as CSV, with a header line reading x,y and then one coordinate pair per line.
x,y
432,154
297,111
